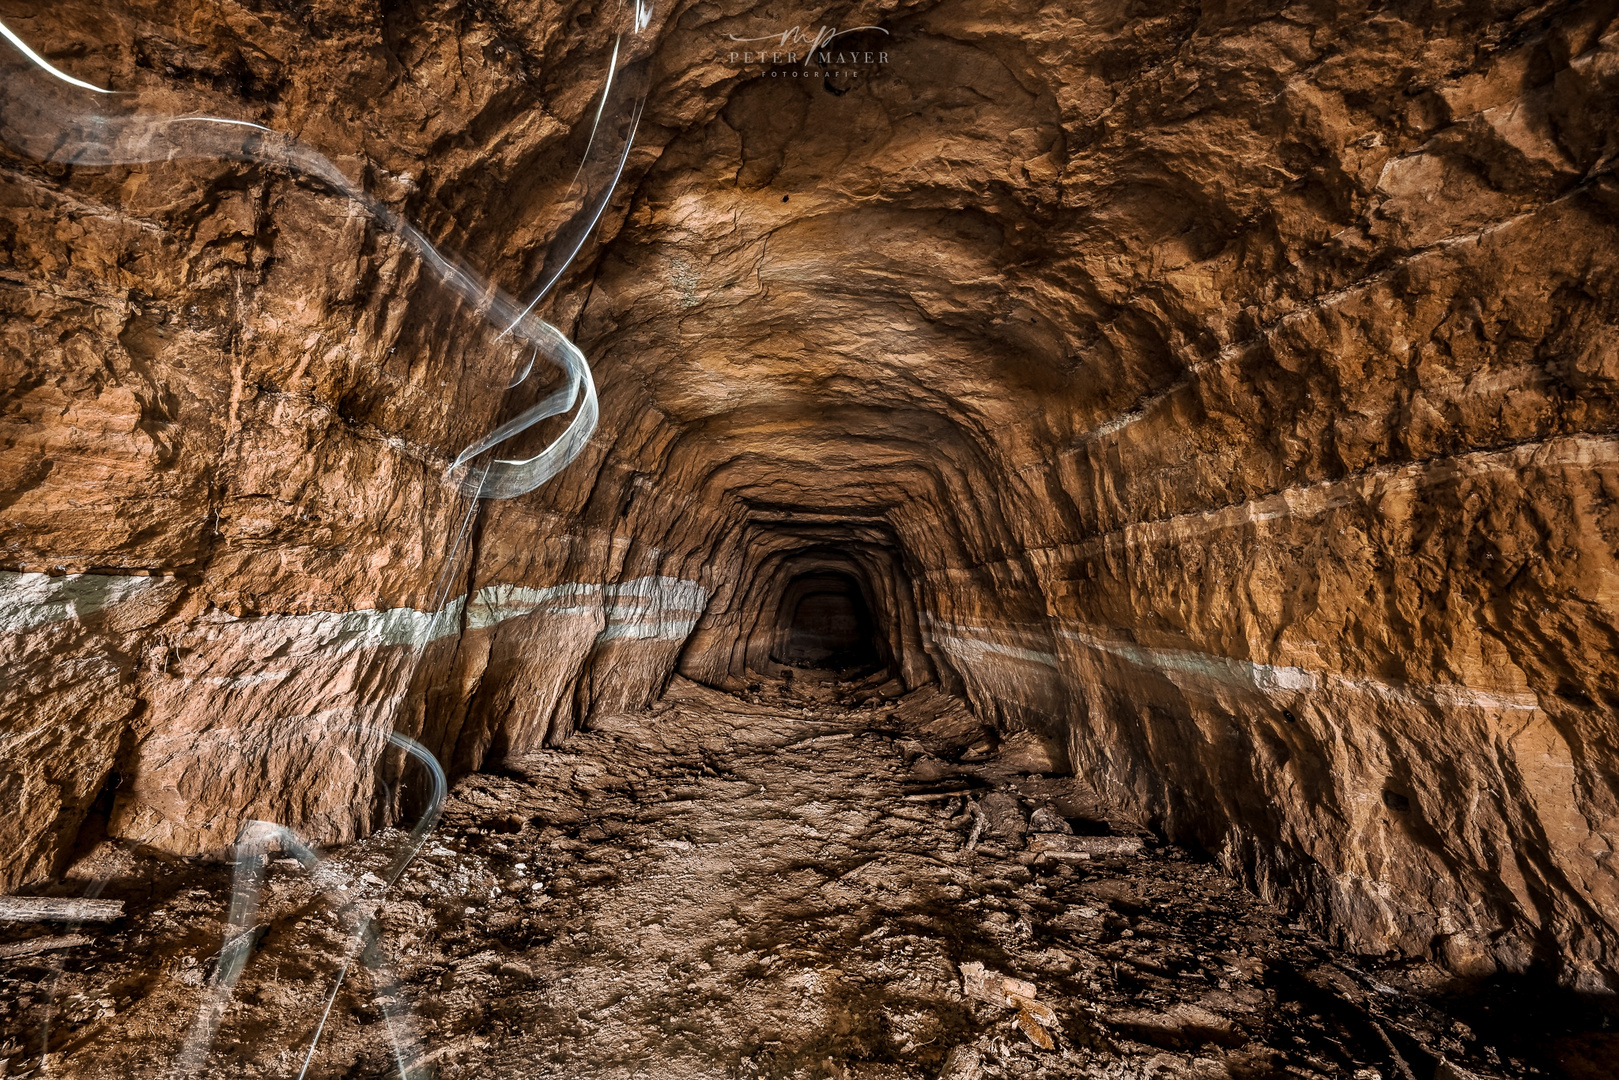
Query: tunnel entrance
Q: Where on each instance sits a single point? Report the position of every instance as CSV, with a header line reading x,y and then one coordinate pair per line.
x,y
831,595
827,625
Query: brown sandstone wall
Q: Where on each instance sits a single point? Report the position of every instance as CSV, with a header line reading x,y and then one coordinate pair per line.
x,y
1230,390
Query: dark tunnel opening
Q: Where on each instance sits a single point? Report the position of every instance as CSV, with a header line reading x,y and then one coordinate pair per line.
x,y
827,624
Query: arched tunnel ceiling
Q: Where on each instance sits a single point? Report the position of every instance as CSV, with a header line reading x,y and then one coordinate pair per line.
x,y
1228,391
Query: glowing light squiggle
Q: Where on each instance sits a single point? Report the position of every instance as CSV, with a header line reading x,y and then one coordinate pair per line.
x,y
49,127
46,65
256,840
43,120
418,837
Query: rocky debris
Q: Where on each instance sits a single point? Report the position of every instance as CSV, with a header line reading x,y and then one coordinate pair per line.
x,y
1033,1017
35,946
1003,817
1059,846
964,1063
1182,1024
58,909
713,890
1046,820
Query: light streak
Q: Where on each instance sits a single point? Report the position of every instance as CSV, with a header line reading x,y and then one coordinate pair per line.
x,y
46,65
47,127
256,840
51,124
418,837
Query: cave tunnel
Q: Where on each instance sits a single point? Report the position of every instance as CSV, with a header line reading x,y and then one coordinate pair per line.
x,y
824,622
1025,542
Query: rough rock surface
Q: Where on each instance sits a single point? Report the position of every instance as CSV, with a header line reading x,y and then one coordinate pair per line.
x,y
783,889
1227,392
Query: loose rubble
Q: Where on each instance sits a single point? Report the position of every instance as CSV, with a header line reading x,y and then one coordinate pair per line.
x,y
793,886
58,909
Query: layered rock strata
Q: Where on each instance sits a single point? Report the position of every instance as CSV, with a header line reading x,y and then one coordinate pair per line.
x,y
1230,393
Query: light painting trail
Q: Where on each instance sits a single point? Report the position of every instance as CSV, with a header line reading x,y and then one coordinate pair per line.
x,y
52,116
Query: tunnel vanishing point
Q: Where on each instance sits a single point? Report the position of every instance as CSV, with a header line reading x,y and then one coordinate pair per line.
x,y
1225,396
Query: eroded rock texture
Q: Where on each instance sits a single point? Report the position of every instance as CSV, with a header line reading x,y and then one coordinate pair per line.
x,y
1227,391
716,888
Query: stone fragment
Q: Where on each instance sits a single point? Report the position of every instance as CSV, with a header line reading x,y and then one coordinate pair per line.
x,y
1047,820
820,740
930,769
1032,1017
1031,752
964,1063
1181,1025
911,749
979,750
979,982
58,909
1004,818
35,946
1060,847
1027,1023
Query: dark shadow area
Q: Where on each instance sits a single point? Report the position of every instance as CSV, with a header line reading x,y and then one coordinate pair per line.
x,y
830,626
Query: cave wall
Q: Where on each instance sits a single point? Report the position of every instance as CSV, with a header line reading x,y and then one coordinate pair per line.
x,y
230,399
1228,390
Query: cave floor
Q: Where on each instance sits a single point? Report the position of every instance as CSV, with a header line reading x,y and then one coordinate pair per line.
x,y
774,886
